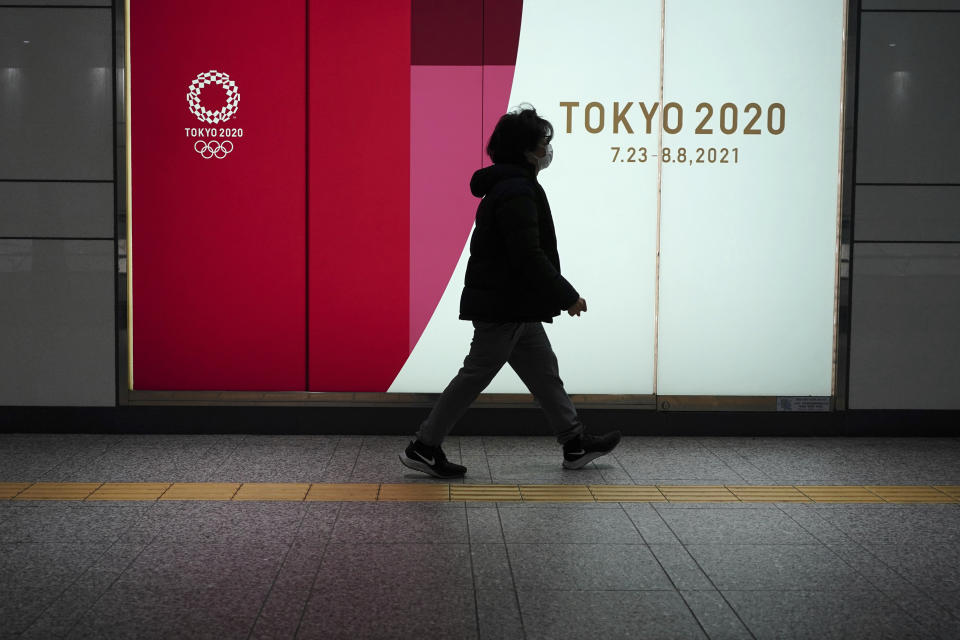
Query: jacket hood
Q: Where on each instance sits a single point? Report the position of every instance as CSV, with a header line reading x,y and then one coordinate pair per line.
x,y
485,179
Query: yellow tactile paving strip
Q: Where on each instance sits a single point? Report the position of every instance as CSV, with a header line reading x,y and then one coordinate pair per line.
x,y
697,493
485,493
343,492
271,491
436,492
129,491
10,489
200,491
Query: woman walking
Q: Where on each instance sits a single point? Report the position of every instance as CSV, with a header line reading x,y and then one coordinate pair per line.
x,y
513,285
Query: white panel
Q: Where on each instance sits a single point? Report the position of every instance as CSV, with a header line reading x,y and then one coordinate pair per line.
x,y
605,212
57,322
748,248
905,347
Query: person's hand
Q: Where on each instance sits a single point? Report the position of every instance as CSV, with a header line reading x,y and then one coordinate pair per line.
x,y
579,305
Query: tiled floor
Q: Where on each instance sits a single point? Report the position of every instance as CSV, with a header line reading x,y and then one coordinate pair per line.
x,y
512,569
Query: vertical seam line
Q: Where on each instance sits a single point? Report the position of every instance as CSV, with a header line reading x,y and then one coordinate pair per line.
x,y
656,283
306,197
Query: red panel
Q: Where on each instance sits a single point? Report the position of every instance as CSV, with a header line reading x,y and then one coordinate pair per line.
x,y
218,244
359,210
446,32
501,31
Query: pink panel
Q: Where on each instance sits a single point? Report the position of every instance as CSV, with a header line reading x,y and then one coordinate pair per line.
x,y
497,82
445,123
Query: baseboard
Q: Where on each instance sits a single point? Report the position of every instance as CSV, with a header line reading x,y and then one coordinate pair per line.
x,y
477,421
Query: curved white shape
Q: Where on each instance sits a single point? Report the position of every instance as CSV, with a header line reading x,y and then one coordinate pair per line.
x,y
443,345
605,212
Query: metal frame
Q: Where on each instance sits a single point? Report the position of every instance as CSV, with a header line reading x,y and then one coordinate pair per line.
x,y
119,13
845,262
843,291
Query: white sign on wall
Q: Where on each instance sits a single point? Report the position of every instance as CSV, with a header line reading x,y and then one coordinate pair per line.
x,y
731,169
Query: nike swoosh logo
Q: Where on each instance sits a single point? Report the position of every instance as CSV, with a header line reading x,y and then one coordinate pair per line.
x,y
429,461
576,453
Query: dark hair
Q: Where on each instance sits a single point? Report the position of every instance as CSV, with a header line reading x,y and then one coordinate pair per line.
x,y
518,131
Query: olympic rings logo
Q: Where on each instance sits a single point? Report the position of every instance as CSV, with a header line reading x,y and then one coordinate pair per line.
x,y
220,115
213,149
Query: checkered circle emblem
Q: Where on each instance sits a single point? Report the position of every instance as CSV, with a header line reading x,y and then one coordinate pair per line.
x,y
220,115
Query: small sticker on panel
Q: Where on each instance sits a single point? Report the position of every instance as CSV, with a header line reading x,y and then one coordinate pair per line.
x,y
803,403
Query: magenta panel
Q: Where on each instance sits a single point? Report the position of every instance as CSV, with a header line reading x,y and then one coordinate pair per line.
x,y
445,126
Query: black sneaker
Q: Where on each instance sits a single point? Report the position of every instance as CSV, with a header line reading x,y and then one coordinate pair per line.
x,y
581,450
432,460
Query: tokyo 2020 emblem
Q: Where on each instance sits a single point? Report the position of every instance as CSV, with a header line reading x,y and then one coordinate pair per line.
x,y
204,139
220,115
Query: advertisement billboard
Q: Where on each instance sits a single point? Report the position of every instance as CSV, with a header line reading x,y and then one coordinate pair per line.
x,y
694,189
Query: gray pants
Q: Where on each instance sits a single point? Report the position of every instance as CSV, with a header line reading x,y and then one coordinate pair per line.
x,y
525,346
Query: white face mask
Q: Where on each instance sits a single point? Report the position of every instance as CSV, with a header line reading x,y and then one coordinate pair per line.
x,y
544,162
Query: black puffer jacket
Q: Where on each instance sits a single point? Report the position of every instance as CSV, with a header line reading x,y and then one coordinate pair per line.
x,y
514,270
